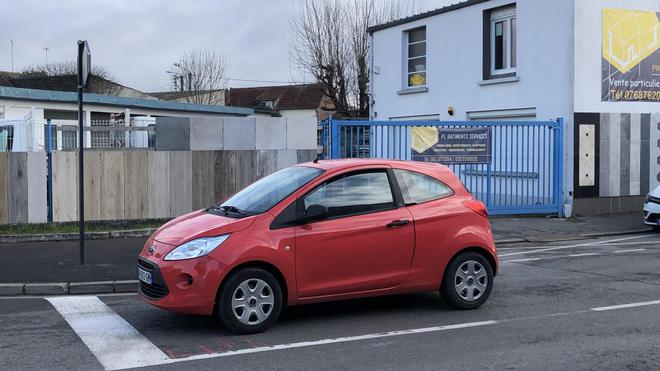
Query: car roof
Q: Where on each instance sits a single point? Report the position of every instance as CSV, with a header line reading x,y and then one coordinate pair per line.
x,y
354,162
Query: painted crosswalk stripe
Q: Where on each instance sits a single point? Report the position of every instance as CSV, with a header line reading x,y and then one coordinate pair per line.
x,y
112,340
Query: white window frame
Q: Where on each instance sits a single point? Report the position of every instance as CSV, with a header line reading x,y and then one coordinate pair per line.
x,y
506,16
406,73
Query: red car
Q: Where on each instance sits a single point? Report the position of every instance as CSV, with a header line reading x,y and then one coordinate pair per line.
x,y
323,231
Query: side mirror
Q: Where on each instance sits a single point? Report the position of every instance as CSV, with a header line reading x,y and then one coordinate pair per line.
x,y
316,212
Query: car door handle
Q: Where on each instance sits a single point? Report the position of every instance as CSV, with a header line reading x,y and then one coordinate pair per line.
x,y
397,223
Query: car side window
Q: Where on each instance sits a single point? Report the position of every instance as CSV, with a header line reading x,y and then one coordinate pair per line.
x,y
353,193
417,188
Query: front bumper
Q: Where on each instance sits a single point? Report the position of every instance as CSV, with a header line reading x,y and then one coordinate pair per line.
x,y
652,213
187,286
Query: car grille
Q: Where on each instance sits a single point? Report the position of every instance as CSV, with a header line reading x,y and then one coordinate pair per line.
x,y
158,289
652,218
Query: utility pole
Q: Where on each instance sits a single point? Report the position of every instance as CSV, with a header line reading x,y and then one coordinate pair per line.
x,y
46,52
189,81
11,42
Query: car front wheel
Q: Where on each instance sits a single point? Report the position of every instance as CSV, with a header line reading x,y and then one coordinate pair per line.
x,y
250,301
468,281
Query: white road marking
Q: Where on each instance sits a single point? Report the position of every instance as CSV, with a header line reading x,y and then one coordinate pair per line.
x,y
570,256
520,260
626,306
657,243
346,339
594,243
112,340
630,250
583,254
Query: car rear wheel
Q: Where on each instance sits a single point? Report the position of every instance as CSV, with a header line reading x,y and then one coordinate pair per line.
x,y
250,301
468,281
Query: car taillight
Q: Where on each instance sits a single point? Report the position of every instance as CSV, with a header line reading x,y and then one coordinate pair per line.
x,y
476,206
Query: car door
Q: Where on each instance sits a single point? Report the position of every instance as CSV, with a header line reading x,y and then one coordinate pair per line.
x,y
366,243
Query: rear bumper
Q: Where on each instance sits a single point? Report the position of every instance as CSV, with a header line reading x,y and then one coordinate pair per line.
x,y
186,286
651,213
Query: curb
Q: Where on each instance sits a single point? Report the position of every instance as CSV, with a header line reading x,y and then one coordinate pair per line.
x,y
68,288
130,233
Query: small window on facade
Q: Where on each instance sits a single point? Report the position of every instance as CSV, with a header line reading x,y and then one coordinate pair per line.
x,y
503,41
269,104
416,57
417,188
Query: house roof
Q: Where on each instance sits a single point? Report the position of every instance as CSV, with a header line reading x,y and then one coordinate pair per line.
x,y
110,100
177,94
419,16
286,97
69,83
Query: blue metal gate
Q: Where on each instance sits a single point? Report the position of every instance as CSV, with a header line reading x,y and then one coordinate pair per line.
x,y
524,175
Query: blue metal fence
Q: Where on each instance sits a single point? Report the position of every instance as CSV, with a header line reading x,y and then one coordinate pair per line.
x,y
524,175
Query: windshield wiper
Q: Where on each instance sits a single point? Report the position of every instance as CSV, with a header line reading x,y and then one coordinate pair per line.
x,y
226,209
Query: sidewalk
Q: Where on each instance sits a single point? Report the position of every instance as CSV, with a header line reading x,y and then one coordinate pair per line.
x,y
114,259
542,229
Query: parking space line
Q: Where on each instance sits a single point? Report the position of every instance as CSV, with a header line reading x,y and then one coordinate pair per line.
x,y
583,254
346,339
520,260
593,243
626,306
570,256
113,341
629,250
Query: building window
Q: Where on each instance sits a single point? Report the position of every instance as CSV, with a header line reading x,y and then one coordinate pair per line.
x,y
267,104
416,57
503,41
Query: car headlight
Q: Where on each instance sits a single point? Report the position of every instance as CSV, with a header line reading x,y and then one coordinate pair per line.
x,y
196,248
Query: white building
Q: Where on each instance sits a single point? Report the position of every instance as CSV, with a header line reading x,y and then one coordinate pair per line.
x,y
595,63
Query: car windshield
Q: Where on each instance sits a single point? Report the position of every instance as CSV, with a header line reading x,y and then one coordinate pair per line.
x,y
268,191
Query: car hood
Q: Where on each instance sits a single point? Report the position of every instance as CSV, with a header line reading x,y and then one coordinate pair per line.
x,y
656,192
199,224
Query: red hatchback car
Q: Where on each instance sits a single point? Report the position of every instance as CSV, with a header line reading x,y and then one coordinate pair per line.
x,y
323,231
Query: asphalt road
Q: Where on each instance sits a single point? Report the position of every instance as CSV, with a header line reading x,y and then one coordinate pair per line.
x,y
578,305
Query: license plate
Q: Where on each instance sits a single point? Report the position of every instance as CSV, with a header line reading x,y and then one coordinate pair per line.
x,y
144,276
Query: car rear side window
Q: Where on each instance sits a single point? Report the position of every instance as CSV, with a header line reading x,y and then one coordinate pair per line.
x,y
417,188
355,193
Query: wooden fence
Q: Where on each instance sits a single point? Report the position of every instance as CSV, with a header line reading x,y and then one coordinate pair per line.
x,y
131,184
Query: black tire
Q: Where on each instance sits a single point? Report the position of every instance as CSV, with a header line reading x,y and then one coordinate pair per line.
x,y
656,228
448,288
225,312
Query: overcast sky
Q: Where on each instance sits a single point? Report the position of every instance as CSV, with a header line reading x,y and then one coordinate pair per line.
x,y
138,40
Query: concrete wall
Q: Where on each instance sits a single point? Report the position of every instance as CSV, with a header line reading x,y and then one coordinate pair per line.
x,y
235,133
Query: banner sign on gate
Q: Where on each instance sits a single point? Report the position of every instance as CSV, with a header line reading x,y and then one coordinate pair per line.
x,y
451,145
631,55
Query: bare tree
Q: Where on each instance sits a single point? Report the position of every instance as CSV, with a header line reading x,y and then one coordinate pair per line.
x,y
330,42
203,73
66,69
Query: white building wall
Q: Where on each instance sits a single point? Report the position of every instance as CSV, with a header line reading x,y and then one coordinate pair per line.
x,y
454,42
629,155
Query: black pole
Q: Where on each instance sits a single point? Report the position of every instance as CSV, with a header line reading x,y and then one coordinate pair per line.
x,y
189,81
81,137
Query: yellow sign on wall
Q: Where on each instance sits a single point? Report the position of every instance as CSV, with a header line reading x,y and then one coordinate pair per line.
x,y
631,55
